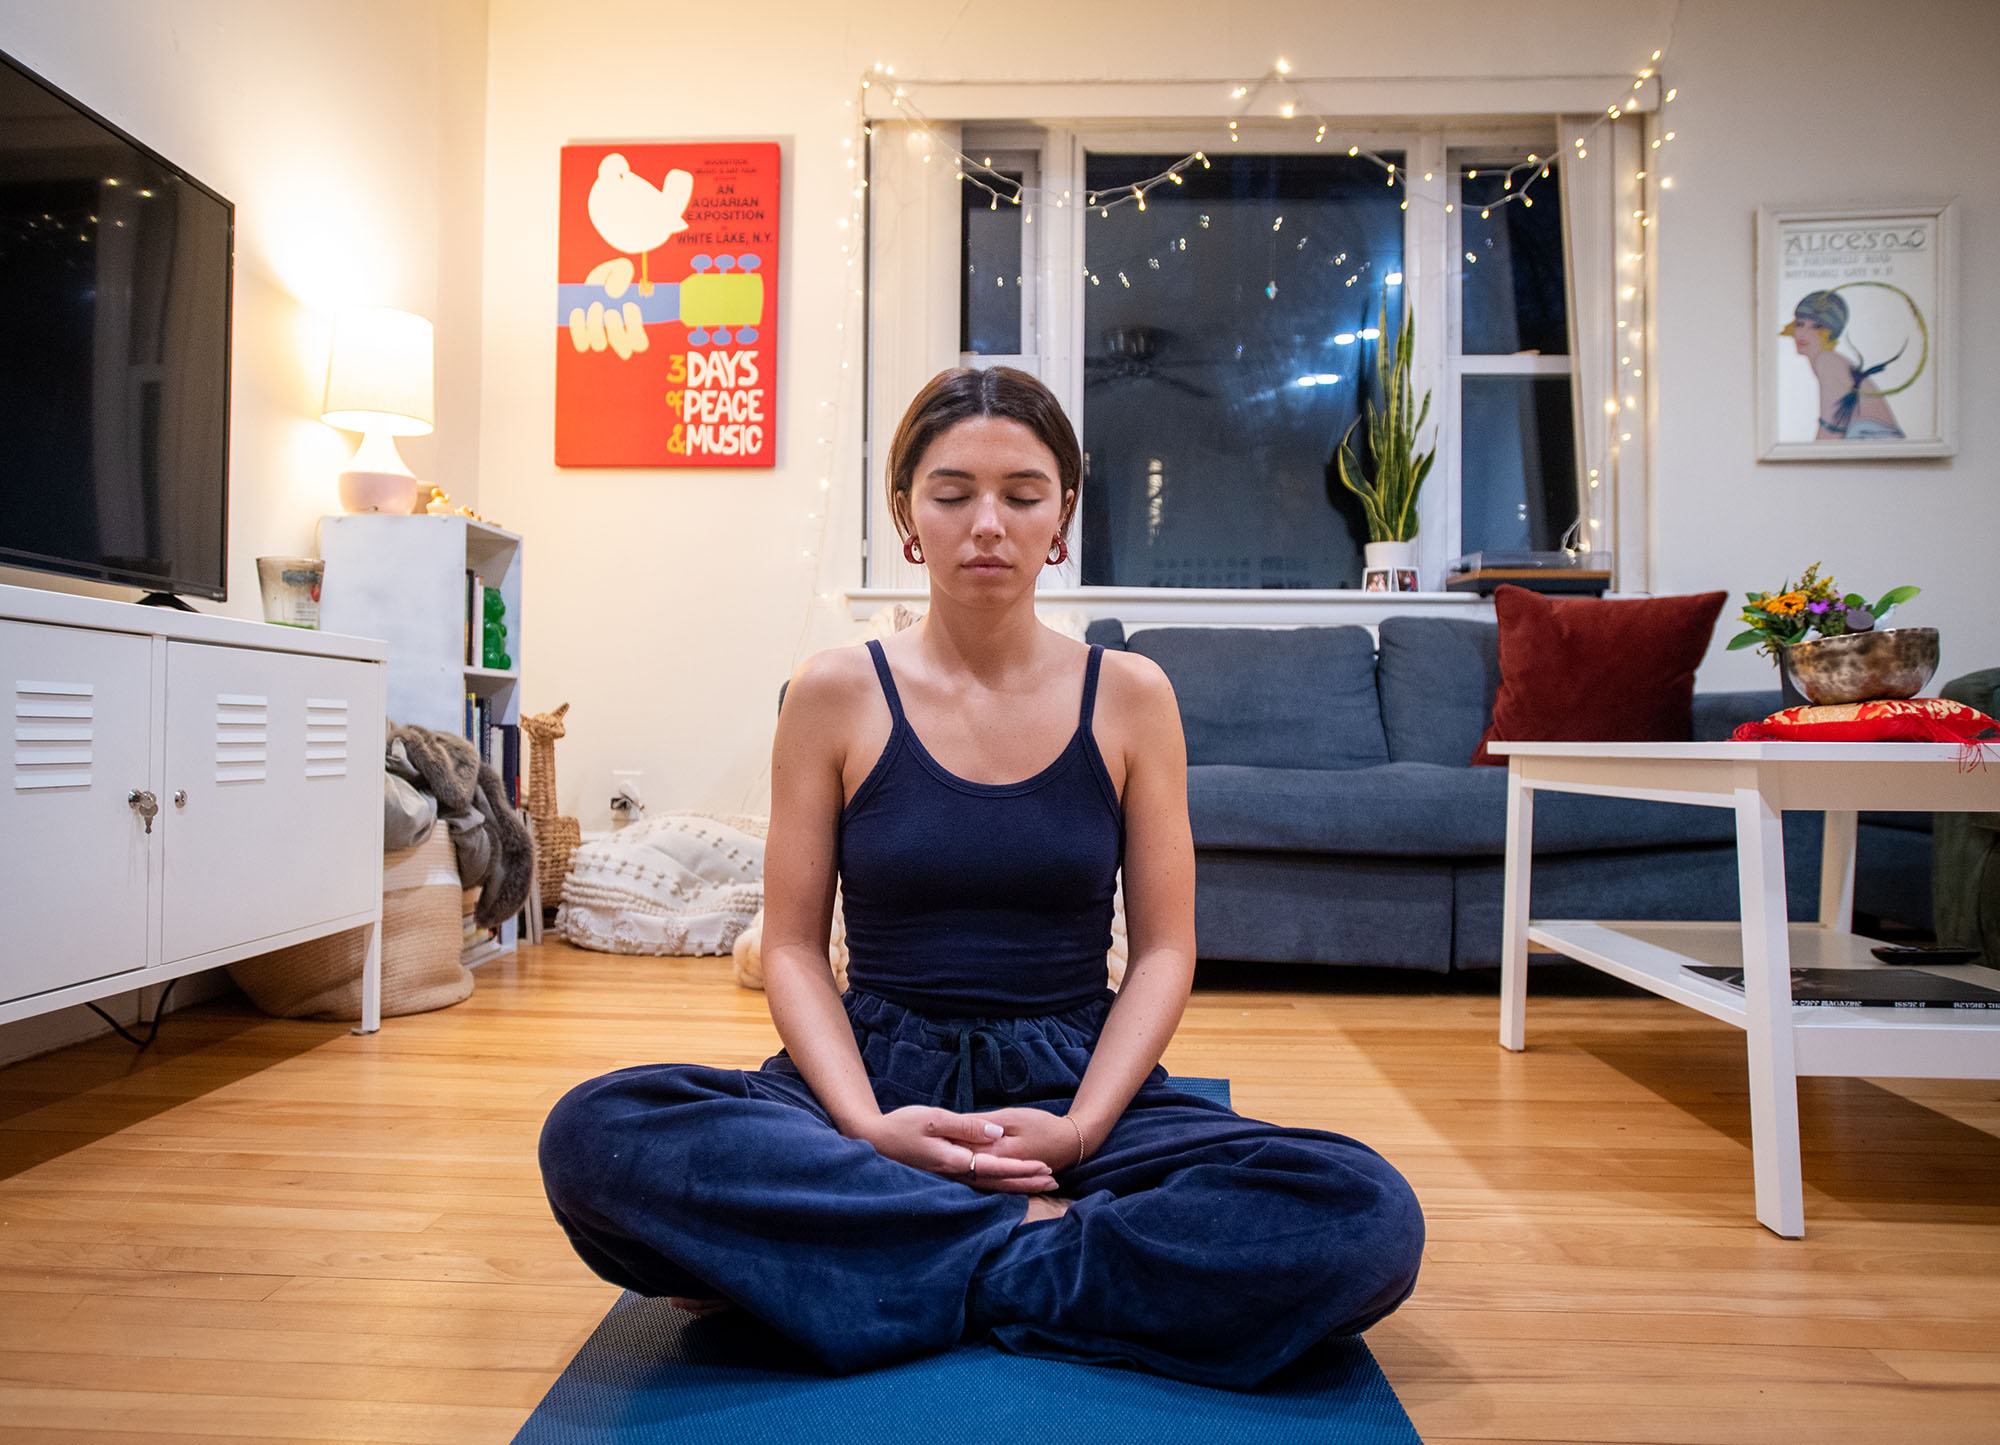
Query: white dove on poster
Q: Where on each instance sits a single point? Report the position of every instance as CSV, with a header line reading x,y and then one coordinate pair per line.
x,y
634,216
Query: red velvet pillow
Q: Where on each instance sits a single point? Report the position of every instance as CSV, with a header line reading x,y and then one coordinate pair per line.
x,y
1905,720
1597,669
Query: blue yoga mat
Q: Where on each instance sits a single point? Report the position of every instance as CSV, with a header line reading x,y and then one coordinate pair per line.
x,y
651,1374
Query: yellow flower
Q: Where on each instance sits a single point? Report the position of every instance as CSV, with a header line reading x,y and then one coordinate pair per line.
x,y
1788,605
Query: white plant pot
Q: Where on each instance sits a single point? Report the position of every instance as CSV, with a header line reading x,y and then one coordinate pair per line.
x,y
1397,564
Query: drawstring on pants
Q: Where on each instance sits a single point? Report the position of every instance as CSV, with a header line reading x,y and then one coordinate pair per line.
x,y
999,1050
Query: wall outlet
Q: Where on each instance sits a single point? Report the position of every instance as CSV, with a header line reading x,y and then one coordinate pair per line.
x,y
628,797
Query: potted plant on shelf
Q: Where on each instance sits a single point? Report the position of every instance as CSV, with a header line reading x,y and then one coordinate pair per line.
x,y
1853,659
1388,486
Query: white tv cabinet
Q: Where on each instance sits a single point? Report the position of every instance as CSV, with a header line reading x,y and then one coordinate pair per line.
x,y
184,791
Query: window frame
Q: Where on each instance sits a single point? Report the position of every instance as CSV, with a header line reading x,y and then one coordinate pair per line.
x,y
1054,257
1014,148
1459,363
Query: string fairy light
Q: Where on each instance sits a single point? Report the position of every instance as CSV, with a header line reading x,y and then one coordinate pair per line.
x,y
1290,101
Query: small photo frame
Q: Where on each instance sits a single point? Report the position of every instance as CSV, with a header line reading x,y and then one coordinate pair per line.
x,y
1389,579
1856,320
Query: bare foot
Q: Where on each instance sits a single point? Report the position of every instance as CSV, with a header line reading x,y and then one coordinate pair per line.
x,y
1045,1206
700,1307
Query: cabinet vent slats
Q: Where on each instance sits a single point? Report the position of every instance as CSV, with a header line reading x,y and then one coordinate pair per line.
x,y
56,689
241,735
53,742
326,737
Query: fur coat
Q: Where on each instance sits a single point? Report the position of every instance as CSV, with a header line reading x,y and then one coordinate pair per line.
x,y
495,854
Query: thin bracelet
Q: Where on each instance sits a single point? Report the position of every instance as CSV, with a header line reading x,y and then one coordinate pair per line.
x,y
1079,1138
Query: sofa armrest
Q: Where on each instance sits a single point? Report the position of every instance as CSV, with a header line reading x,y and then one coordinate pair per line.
x,y
1717,714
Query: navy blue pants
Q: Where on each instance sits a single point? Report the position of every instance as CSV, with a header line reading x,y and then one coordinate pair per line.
x,y
1201,1244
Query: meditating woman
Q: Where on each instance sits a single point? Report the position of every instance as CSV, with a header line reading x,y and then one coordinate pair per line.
x,y
976,1139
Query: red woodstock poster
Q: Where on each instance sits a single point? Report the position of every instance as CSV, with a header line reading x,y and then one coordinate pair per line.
x,y
667,306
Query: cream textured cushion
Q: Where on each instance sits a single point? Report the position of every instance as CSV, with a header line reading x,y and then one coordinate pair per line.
x,y
672,884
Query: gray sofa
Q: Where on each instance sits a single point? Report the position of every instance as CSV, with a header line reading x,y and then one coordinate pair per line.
x,y
1336,817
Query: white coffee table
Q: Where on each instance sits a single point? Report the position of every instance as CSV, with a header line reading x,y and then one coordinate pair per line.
x,y
1760,781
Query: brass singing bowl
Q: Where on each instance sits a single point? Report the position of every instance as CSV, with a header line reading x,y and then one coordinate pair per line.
x,y
1863,666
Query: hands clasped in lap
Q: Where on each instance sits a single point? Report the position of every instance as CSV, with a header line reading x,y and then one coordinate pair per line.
x,y
1002,1151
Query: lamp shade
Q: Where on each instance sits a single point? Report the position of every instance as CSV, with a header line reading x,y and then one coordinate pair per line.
x,y
379,376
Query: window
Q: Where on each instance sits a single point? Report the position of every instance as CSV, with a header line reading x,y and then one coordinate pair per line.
x,y
1228,331
1215,347
996,248
1513,417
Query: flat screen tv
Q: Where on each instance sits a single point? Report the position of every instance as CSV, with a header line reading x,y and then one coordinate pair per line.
x,y
115,271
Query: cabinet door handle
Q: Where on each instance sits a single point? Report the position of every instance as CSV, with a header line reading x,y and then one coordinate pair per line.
x,y
144,804
181,798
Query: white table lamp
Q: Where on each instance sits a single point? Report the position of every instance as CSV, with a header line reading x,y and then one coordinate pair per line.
x,y
379,382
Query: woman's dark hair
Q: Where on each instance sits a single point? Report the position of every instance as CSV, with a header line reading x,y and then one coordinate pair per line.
x,y
953,396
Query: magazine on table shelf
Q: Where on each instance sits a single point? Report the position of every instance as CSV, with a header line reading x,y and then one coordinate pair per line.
x,y
1870,987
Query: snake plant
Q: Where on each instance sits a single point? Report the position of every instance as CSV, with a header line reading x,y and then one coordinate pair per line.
x,y
1390,496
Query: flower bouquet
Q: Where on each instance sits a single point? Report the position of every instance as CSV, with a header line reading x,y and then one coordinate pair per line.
x,y
1851,660
1781,619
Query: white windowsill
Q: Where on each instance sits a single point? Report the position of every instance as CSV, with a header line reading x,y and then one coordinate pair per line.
x,y
1218,606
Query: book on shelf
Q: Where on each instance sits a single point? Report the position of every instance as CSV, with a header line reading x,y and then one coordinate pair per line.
x,y
477,944
510,761
480,732
475,616
1886,987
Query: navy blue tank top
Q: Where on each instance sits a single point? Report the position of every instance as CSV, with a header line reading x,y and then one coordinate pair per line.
x,y
968,899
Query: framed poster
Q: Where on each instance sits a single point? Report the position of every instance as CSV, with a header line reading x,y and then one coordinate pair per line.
x,y
666,325
1855,321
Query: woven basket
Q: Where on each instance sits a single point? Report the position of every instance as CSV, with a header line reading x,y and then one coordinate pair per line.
x,y
421,939
555,840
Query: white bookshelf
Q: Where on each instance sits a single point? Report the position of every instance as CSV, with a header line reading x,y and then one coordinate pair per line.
x,y
402,579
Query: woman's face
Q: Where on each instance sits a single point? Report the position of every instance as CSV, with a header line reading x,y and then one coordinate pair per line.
x,y
1806,336
986,503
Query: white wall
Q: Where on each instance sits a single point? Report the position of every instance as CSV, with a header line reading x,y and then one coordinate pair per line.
x,y
666,607
349,135
1787,106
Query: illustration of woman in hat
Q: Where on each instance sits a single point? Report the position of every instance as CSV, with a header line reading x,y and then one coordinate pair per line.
x,y
1852,407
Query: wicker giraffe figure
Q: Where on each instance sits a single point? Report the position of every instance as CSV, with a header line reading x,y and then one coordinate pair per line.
x,y
556,837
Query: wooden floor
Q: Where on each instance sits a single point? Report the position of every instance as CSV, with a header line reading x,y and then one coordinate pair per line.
x,y
267,1230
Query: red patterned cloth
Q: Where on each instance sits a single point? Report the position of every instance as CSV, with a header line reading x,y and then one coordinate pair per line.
x,y
1908,720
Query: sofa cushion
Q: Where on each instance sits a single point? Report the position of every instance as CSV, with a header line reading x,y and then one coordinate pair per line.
x,y
1421,810
1109,632
1436,677
1300,908
1597,669
1296,697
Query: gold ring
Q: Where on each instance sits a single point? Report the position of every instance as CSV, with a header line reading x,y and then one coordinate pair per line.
x,y
973,1167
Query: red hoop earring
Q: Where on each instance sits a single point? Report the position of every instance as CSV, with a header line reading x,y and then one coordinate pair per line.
x,y
1061,553
913,553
